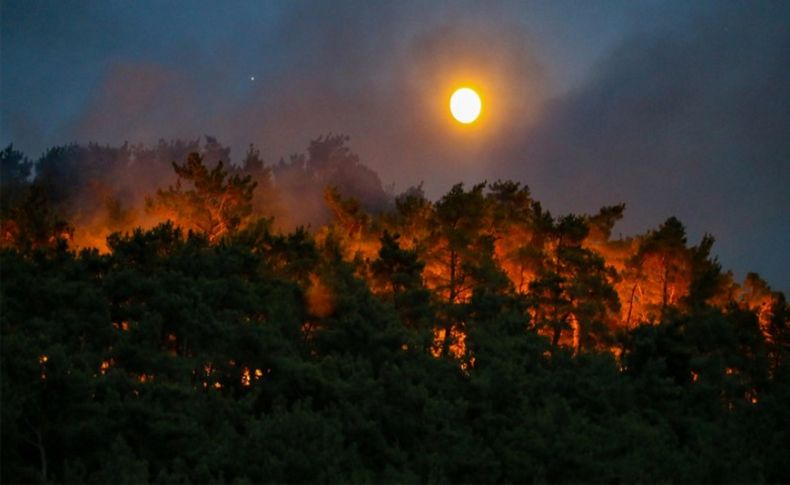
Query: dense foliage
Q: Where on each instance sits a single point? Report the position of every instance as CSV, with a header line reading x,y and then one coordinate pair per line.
x,y
474,339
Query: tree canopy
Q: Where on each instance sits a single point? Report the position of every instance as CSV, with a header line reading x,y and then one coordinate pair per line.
x,y
473,339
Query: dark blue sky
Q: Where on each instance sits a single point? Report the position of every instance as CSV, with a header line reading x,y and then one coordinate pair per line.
x,y
676,108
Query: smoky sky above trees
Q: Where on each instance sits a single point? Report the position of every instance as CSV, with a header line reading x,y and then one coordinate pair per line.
x,y
674,109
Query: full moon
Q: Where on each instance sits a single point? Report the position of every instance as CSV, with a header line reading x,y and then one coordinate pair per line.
x,y
465,105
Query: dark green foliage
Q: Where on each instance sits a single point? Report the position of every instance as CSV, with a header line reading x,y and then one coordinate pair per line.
x,y
14,166
399,273
246,355
352,403
574,287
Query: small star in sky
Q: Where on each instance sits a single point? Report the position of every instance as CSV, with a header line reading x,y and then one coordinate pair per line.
x,y
252,78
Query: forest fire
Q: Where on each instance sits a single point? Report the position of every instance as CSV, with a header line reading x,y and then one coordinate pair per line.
x,y
271,306
248,377
455,343
578,282
206,293
319,298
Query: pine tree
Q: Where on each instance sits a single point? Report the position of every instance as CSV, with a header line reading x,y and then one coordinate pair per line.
x,y
216,204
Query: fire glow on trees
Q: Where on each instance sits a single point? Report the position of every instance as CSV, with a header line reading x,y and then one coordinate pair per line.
x,y
481,301
579,286
582,285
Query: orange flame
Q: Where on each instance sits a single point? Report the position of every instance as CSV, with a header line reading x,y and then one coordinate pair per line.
x,y
320,301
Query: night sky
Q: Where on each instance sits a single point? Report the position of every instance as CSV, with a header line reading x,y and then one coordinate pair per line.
x,y
675,108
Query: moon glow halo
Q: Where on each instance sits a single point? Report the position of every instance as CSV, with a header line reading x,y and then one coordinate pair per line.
x,y
465,105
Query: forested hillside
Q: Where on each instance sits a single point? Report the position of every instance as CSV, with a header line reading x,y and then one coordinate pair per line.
x,y
168,316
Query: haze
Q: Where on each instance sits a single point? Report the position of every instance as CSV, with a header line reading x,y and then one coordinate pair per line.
x,y
673,108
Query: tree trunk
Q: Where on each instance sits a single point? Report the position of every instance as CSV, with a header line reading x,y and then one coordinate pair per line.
x,y
451,297
664,291
630,307
555,340
42,453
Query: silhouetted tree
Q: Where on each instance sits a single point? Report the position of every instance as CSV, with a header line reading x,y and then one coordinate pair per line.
x,y
664,251
216,204
244,353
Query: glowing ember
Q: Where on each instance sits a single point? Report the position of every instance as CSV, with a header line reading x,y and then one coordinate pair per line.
x,y
143,378
245,377
42,359
457,342
319,298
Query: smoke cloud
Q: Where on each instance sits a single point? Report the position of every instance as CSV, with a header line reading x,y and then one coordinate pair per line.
x,y
689,121
684,111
